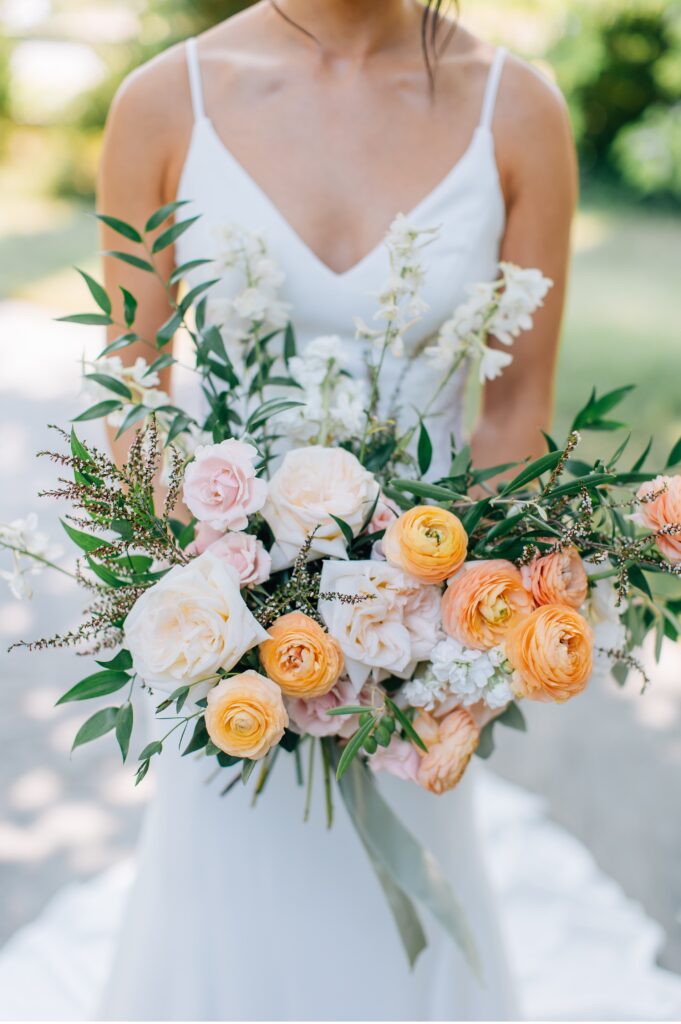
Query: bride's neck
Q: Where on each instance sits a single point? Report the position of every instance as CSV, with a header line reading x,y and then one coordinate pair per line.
x,y
351,28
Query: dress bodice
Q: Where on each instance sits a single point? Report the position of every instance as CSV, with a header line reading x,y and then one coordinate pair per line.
x,y
467,208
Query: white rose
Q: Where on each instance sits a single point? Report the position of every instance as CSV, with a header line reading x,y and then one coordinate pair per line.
x,y
190,624
312,485
390,631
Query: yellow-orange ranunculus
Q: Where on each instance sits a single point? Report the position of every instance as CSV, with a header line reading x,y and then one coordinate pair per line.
x,y
557,578
451,743
552,654
245,716
427,542
301,657
483,601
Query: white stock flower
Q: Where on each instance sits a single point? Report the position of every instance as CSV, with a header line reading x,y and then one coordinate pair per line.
x,y
602,613
142,385
334,404
310,487
190,624
388,632
459,675
23,534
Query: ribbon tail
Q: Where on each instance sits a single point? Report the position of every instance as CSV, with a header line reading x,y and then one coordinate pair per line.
x,y
411,869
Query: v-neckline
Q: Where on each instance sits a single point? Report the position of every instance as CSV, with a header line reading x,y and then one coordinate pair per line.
x,y
304,246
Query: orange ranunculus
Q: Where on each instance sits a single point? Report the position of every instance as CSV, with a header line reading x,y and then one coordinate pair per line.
x,y
483,601
451,743
245,716
301,657
662,512
557,578
551,651
427,542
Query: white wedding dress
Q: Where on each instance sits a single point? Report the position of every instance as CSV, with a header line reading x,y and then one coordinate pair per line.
x,y
241,913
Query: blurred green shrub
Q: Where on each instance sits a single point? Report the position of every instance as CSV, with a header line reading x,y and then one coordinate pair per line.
x,y
619,65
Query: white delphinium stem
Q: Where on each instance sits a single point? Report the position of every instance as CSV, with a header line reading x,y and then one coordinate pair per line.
x,y
400,303
142,385
31,551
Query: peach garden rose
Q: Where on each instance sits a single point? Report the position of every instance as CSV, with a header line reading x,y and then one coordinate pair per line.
x,y
483,601
428,542
663,511
557,578
451,743
245,716
301,657
551,652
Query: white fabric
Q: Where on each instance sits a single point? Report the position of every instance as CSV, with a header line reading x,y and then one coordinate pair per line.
x,y
580,949
492,88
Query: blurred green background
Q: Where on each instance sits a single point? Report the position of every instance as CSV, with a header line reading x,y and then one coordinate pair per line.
x,y
617,61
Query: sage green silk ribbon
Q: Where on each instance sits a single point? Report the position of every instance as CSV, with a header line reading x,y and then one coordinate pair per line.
x,y
407,871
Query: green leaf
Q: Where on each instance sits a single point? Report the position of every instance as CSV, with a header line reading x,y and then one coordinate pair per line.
x,y
191,296
133,261
78,450
421,490
638,580
512,717
247,770
85,541
121,227
124,720
199,737
550,443
123,341
87,319
159,216
97,292
471,518
117,386
95,412
155,747
141,772
544,464
171,234
349,709
121,662
485,747
96,685
100,723
460,462
134,415
167,331
129,306
104,574
674,455
272,407
590,416
289,343
179,424
160,364
406,724
346,529
186,268
353,747
424,449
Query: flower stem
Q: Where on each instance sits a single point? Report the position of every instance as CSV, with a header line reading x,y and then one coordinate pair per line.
x,y
38,558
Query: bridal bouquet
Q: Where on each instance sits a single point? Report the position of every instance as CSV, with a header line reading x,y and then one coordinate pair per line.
x,y
324,596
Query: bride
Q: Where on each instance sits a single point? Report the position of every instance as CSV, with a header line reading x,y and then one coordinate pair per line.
x,y
315,124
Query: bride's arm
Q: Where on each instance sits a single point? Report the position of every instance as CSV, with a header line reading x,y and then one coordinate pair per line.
x,y
148,118
539,178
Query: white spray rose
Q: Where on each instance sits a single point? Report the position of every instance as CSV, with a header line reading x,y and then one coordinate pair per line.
x,y
191,623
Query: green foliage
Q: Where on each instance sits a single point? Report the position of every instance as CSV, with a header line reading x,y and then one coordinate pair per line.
x,y
618,63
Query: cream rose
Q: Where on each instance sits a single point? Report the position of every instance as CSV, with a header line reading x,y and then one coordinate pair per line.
x,y
312,485
190,624
394,627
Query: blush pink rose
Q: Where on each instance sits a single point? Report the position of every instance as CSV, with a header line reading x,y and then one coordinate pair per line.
x,y
385,512
204,536
220,485
400,759
311,715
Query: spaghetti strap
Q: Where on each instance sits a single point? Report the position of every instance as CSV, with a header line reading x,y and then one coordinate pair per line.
x,y
492,88
195,86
